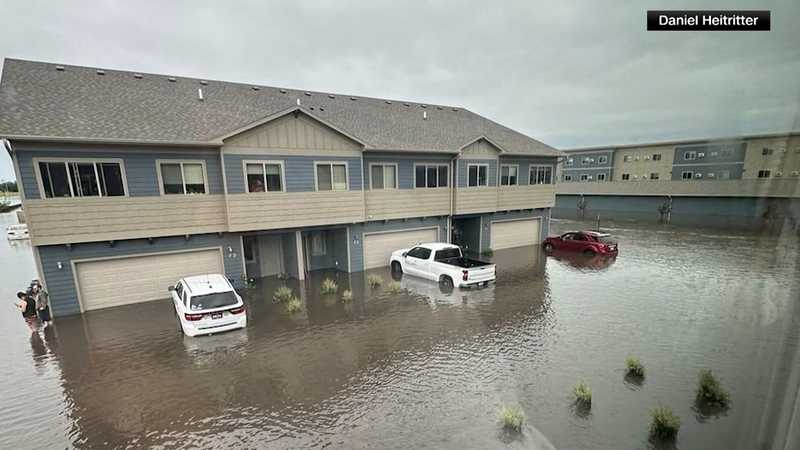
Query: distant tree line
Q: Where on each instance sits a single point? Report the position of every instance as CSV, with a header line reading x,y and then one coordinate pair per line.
x,y
8,186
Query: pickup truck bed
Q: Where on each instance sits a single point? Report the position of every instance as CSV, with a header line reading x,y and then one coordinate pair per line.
x,y
462,262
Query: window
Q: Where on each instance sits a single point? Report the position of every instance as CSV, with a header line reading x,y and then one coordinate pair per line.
x,y
567,177
601,177
627,158
383,176
420,253
690,156
182,177
725,175
179,289
687,175
509,175
763,173
81,178
656,156
626,176
767,151
541,175
319,245
331,176
430,175
570,162
602,159
653,175
584,177
477,175
264,176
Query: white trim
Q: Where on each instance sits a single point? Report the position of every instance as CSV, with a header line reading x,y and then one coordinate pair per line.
x,y
384,164
500,175
426,165
263,163
301,264
690,172
493,143
720,163
478,174
349,268
552,174
94,161
372,233
244,262
332,163
181,162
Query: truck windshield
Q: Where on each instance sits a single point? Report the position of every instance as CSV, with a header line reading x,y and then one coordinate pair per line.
x,y
448,253
208,301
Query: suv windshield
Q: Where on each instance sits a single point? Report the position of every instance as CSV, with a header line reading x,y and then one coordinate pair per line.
x,y
209,301
447,254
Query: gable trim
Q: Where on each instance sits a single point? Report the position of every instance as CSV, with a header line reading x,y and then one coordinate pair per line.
x,y
484,138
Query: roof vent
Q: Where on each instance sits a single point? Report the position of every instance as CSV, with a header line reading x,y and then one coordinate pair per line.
x,y
311,108
388,102
100,72
455,109
331,96
298,102
255,88
200,94
424,115
283,91
171,79
203,82
138,76
60,68
424,106
322,109
307,94
353,98
406,104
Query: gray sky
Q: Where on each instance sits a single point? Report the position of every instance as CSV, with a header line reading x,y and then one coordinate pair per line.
x,y
566,73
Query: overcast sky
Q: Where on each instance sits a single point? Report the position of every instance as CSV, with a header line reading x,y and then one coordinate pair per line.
x,y
568,74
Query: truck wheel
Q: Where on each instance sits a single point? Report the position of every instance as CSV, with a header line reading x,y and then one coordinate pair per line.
x,y
397,268
446,282
589,252
548,247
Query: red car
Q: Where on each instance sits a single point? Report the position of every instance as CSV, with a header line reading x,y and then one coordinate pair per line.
x,y
586,242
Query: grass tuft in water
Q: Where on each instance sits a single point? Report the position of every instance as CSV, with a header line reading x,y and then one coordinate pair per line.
x,y
709,390
512,418
634,367
328,287
374,281
347,296
665,423
394,288
583,394
293,305
488,253
282,294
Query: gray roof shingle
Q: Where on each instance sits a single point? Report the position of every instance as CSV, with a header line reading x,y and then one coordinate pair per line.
x,y
37,99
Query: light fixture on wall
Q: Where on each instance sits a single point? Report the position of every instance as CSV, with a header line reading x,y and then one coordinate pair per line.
x,y
59,265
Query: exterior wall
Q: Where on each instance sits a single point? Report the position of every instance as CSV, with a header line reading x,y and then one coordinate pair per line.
x,y
576,175
785,157
279,210
405,165
487,219
641,163
708,172
525,163
786,187
712,153
589,159
463,164
357,234
480,149
299,173
293,131
61,282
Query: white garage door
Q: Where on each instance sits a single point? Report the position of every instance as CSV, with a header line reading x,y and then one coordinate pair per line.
x,y
137,279
515,233
379,247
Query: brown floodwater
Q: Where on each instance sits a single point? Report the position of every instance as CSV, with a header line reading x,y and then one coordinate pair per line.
x,y
426,368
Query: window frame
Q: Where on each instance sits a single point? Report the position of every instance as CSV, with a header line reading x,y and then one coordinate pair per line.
x,y
569,162
584,177
684,177
263,163
656,157
332,163
654,176
437,165
533,167
396,176
602,159
469,165
625,177
181,162
600,174
516,166
567,178
686,154
766,172
94,161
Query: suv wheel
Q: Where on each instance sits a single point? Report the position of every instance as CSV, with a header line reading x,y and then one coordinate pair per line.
x,y
397,268
589,252
446,281
548,247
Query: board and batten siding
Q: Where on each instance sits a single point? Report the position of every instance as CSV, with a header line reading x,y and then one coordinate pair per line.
x,y
357,234
299,173
61,282
293,131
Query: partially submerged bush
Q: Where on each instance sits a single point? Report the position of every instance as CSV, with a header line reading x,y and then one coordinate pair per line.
x,y
293,305
512,418
394,287
347,295
665,423
709,390
583,394
282,294
374,281
328,287
488,253
634,367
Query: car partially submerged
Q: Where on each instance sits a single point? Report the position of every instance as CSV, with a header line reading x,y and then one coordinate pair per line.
x,y
207,304
586,242
444,263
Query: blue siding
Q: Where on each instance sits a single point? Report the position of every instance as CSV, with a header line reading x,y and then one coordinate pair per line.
x,y
576,174
405,166
140,164
578,159
464,163
357,235
525,163
712,153
735,170
61,284
486,232
299,171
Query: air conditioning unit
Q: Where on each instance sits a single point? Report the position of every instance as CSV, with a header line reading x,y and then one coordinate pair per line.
x,y
712,175
636,157
698,175
796,173
701,155
590,177
636,177
779,174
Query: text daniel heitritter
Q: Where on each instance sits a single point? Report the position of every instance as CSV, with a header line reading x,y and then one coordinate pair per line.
x,y
707,19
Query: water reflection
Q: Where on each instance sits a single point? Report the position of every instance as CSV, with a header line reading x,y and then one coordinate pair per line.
x,y
581,262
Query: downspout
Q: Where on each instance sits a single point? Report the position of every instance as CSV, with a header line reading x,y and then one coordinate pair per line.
x,y
225,190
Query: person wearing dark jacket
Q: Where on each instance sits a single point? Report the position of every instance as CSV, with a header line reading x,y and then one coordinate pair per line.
x,y
27,306
41,298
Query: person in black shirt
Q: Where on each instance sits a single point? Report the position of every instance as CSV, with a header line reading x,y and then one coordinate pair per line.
x,y
27,305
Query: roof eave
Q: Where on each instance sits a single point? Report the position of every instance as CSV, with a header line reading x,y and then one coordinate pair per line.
x,y
116,141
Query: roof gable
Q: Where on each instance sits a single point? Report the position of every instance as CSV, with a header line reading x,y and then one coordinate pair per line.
x,y
481,147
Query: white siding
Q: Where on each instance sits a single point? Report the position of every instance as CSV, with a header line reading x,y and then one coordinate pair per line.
x,y
379,247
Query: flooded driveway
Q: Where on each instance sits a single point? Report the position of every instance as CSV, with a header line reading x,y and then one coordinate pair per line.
x,y
426,368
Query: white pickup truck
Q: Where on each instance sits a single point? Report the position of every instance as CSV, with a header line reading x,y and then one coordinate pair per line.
x,y
444,263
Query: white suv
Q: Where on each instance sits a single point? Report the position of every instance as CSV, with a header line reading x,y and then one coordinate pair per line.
x,y
207,304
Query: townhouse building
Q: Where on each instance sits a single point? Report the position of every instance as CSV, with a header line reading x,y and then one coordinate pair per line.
x,y
130,181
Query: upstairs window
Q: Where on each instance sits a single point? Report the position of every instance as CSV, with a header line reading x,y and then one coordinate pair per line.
x,y
764,174
509,175
182,177
628,158
654,175
656,156
687,175
585,177
569,162
477,175
626,176
331,176
767,151
690,156
81,178
430,175
601,177
383,176
602,159
264,176
541,175
567,177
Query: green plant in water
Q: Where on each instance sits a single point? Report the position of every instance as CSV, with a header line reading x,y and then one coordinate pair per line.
x,y
374,281
394,287
488,253
347,296
328,287
293,305
634,367
512,418
282,294
665,423
709,390
583,394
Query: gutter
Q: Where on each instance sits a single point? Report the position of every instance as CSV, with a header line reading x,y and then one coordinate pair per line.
x,y
84,140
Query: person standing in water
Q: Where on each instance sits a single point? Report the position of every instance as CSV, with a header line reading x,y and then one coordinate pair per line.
x,y
27,306
42,301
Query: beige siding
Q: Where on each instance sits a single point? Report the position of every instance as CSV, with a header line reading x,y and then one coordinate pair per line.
x,y
642,164
276,210
526,197
480,149
785,157
476,200
730,188
63,220
401,203
378,247
301,133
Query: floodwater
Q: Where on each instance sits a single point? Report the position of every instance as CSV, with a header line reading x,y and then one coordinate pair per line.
x,y
426,368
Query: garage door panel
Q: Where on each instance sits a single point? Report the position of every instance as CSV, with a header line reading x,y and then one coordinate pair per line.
x,y
515,233
378,248
137,279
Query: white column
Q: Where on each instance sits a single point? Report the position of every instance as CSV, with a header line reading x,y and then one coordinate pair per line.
x,y
301,265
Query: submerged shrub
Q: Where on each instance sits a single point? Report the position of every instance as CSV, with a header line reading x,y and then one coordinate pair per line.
x,y
665,423
583,394
328,286
394,287
374,281
512,417
347,295
709,391
282,294
634,367
293,305
488,253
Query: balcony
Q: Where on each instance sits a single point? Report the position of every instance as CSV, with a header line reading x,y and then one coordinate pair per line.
x,y
407,203
505,198
277,210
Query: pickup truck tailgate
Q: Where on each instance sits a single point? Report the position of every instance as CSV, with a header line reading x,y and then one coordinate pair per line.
x,y
481,274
